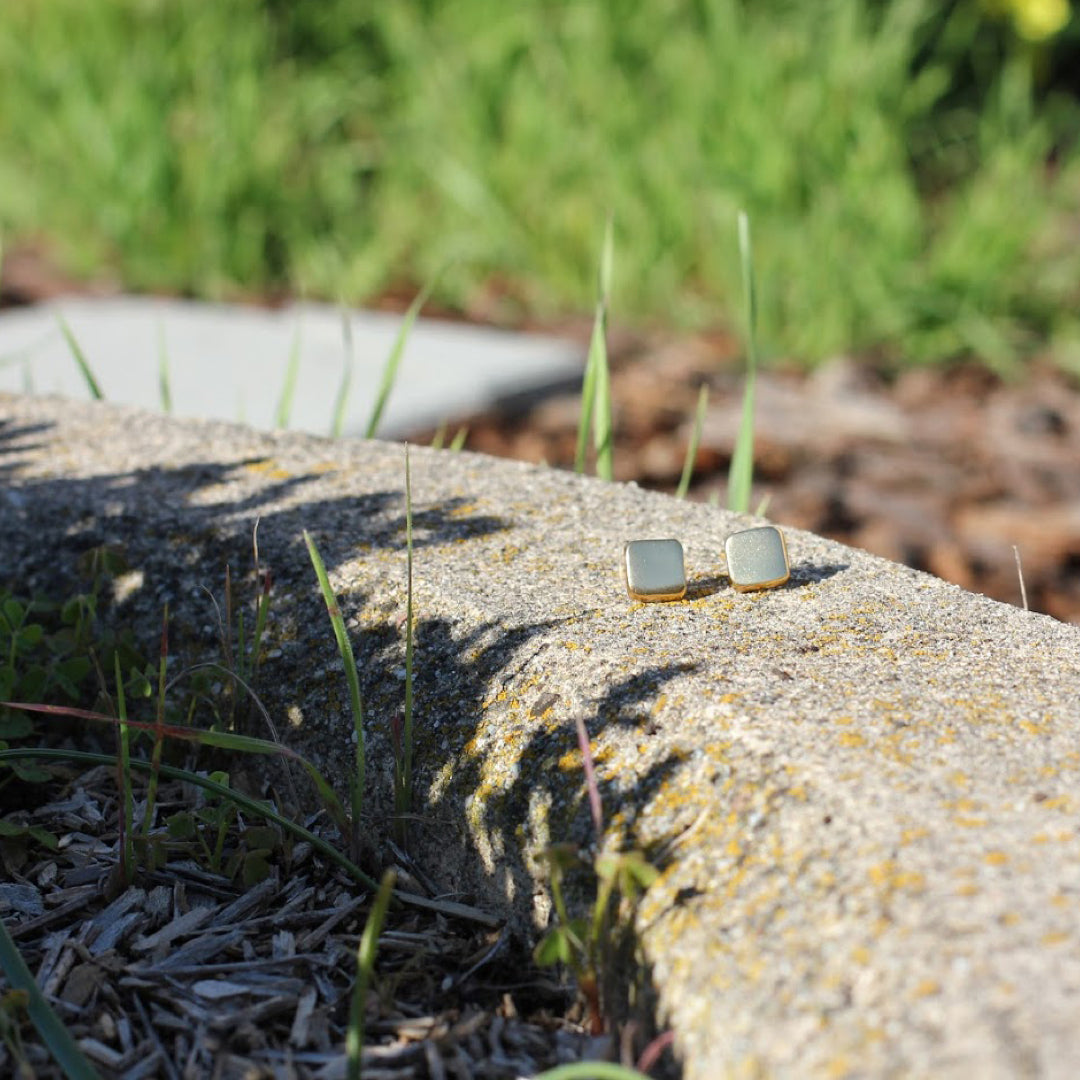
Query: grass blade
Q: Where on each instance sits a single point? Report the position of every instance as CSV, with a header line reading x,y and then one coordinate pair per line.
x,y
171,772
349,662
393,360
222,740
458,440
603,438
591,1070
596,383
159,726
588,396
341,402
164,382
365,966
741,472
54,1035
127,820
695,442
403,792
80,358
288,387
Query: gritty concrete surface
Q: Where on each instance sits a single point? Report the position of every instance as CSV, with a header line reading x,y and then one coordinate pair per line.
x,y
228,362
861,788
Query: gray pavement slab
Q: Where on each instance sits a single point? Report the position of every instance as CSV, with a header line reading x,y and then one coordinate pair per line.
x,y
229,362
861,789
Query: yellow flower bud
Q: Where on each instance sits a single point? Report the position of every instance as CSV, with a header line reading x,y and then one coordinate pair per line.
x,y
1037,20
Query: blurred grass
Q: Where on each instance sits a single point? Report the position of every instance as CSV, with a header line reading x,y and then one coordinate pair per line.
x,y
913,193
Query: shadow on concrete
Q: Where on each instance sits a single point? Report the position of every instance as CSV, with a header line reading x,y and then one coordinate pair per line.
x,y
812,573
174,528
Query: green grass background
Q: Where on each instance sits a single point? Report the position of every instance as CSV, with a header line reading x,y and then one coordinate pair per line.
x,y
910,166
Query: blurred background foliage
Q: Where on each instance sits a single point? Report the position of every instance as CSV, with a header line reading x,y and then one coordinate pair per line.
x,y
911,167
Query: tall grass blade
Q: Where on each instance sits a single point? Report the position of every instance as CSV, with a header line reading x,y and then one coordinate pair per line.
x,y
54,1035
222,740
741,472
603,436
596,383
80,359
695,442
458,440
393,359
349,662
588,396
403,794
288,388
225,627
164,381
241,801
438,440
341,402
365,967
159,726
127,820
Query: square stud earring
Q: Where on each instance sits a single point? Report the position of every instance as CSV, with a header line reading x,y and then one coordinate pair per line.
x,y
757,559
654,571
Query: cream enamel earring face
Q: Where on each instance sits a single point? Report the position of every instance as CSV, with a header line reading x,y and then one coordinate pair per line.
x,y
757,559
654,570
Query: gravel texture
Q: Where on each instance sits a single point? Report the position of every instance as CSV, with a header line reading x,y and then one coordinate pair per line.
x,y
860,788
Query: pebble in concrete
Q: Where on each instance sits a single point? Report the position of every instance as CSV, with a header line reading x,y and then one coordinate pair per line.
x,y
861,788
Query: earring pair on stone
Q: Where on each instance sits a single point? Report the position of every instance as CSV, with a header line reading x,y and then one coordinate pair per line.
x,y
756,559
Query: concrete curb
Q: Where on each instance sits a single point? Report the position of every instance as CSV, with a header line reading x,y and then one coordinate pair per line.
x,y
861,788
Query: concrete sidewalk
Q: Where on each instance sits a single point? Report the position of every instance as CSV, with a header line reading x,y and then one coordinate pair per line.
x,y
230,362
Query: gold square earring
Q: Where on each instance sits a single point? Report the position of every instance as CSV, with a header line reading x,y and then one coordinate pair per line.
x,y
654,571
757,559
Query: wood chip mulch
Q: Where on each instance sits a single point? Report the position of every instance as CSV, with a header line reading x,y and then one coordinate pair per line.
x,y
186,974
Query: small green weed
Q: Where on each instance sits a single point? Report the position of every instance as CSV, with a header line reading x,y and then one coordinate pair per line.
x,y
587,945
208,827
48,651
